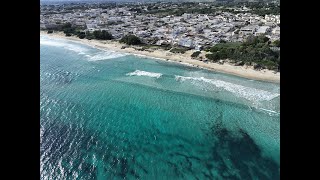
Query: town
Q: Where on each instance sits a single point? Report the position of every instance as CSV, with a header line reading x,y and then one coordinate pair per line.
x,y
195,26
189,30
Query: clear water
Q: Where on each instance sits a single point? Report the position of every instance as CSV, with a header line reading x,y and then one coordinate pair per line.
x,y
107,115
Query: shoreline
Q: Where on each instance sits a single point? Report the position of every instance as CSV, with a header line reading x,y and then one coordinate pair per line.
x,y
241,71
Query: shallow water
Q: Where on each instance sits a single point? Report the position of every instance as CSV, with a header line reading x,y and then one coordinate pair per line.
x,y
107,115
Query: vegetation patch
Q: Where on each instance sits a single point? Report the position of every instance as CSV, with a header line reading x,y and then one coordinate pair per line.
x,y
255,50
179,50
195,54
131,40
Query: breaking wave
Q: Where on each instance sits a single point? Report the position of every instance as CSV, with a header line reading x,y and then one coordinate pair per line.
x,y
71,47
248,93
101,55
270,112
104,55
144,73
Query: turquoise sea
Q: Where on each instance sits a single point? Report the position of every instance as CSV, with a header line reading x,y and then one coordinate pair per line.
x,y
110,115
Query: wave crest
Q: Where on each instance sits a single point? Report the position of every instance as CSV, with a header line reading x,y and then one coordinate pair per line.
x,y
71,47
248,93
144,73
102,55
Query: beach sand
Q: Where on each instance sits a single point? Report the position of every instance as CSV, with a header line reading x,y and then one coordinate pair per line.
x,y
242,71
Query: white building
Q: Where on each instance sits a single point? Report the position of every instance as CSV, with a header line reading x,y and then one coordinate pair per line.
x,y
186,16
262,30
248,30
186,42
272,18
276,30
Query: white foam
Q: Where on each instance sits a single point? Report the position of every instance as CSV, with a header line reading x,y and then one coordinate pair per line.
x,y
77,49
269,111
248,93
144,73
104,55
71,47
146,57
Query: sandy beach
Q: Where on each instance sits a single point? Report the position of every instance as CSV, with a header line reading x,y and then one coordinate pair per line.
x,y
242,71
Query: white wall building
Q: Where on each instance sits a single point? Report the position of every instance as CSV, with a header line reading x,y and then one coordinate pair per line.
x,y
248,30
276,30
262,30
186,16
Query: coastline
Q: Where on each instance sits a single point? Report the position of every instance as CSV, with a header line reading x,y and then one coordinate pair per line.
x,y
245,72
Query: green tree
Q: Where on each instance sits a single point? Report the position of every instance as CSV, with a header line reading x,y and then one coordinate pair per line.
x,y
214,56
178,50
81,35
222,41
130,40
89,36
262,39
66,25
214,49
276,43
97,34
106,35
102,35
195,54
